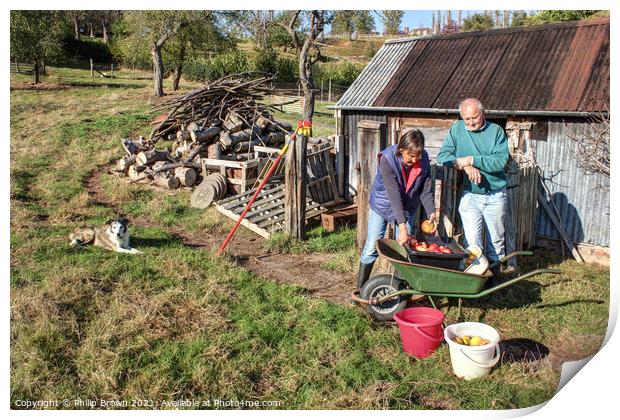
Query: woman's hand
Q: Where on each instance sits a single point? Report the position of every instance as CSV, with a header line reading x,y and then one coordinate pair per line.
x,y
403,234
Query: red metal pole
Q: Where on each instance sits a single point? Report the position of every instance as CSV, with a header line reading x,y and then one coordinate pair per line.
x,y
258,190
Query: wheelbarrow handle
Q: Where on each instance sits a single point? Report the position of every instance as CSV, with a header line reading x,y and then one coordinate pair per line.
x,y
512,255
516,280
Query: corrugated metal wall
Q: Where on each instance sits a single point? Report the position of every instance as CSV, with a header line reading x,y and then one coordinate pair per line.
x,y
350,132
582,204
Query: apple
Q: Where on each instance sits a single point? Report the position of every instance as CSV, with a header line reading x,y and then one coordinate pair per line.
x,y
433,247
446,251
412,242
428,227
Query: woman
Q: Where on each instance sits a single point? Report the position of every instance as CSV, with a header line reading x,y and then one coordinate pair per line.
x,y
403,181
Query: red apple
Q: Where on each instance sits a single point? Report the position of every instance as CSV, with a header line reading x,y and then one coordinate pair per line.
x,y
446,251
433,247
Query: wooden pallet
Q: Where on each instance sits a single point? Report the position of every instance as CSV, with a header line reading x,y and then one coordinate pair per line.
x,y
267,213
322,183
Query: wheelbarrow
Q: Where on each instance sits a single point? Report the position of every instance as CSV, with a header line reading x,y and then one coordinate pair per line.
x,y
387,294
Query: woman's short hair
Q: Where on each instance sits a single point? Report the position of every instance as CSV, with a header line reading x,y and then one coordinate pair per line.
x,y
411,140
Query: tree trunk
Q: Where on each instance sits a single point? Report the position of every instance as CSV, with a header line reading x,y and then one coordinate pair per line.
x,y
307,83
158,71
149,156
104,28
35,73
177,77
76,28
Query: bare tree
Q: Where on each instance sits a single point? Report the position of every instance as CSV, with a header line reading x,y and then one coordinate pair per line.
x,y
308,50
592,150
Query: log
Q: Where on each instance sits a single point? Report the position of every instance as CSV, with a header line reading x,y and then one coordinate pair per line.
x,y
192,127
241,136
123,164
225,140
135,171
233,122
167,181
183,135
206,135
262,122
275,139
214,151
186,176
280,126
149,156
159,164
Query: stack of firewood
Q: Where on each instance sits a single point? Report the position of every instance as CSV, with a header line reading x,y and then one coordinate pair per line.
x,y
223,120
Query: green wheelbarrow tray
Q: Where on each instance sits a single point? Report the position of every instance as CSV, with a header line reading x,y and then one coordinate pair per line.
x,y
433,281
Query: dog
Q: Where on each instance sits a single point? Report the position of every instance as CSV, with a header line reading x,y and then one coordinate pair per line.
x,y
113,236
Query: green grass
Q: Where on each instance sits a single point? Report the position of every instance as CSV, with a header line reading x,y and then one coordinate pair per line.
x,y
177,322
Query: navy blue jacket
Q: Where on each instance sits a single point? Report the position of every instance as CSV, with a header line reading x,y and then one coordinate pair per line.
x,y
422,188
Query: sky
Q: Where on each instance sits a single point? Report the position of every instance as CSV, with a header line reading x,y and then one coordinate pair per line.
x,y
413,18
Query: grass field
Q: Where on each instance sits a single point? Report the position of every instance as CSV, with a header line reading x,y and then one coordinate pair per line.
x,y
179,323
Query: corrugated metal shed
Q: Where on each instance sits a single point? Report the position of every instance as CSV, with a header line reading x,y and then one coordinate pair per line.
x,y
547,68
582,203
372,80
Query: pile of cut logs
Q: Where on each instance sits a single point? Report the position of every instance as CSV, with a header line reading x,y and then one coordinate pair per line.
x,y
224,120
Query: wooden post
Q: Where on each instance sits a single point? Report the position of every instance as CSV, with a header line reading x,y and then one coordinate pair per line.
x,y
512,212
17,65
369,144
92,68
295,188
321,90
329,94
112,70
339,140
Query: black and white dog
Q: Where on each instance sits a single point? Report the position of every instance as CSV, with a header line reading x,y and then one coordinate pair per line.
x,y
113,236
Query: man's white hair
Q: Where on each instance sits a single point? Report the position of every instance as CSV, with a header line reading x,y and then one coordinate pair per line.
x,y
471,101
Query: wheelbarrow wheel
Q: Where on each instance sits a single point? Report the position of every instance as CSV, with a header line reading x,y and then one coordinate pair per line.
x,y
378,287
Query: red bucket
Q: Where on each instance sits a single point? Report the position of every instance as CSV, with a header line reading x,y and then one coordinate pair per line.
x,y
421,330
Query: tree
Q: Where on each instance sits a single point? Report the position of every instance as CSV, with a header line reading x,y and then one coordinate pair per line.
x,y
391,20
75,16
36,36
519,17
155,28
550,16
364,22
592,148
478,22
344,23
192,41
450,28
308,50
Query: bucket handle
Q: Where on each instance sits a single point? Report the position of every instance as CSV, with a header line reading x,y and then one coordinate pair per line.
x,y
492,363
427,336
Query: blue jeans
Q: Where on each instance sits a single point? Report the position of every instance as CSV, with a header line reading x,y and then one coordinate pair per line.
x,y
377,226
490,209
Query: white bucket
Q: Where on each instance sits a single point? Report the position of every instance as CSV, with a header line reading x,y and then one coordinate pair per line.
x,y
470,362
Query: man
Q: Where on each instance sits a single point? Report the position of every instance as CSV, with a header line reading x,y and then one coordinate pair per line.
x,y
480,149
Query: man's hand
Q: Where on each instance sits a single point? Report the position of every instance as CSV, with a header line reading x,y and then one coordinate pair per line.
x,y
473,174
464,161
403,234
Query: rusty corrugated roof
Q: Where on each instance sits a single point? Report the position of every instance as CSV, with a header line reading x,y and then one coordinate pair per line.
x,y
559,67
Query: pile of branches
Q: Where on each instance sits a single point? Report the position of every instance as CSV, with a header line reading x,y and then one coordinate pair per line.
x,y
223,120
223,103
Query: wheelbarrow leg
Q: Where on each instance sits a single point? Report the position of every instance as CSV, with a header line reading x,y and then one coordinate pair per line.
x,y
458,315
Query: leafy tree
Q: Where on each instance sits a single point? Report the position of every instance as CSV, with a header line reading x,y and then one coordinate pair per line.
x,y
519,17
344,22
391,21
155,28
550,16
192,42
451,27
36,36
478,22
305,41
364,22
